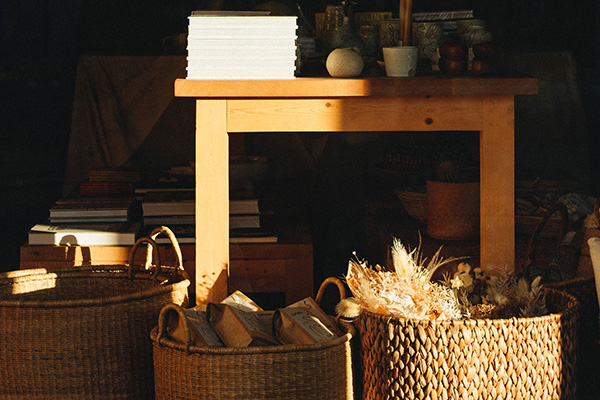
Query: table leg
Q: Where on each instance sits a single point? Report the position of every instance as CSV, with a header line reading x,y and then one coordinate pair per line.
x,y
212,200
497,185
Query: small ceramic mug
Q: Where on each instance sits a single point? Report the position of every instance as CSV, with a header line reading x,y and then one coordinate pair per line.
x,y
400,61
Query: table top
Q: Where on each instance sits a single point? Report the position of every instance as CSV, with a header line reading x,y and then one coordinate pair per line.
x,y
327,87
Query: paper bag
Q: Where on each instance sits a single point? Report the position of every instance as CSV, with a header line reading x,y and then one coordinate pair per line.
x,y
295,325
239,300
315,310
238,328
201,332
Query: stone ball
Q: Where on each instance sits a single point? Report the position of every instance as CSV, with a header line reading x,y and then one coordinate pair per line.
x,y
344,63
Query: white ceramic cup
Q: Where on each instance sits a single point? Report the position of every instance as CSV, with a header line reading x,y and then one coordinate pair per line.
x,y
400,61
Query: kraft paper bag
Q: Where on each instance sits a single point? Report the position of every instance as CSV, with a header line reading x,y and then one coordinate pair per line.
x,y
239,328
295,325
201,332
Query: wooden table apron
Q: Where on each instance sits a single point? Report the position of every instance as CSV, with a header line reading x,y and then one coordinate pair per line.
x,y
344,105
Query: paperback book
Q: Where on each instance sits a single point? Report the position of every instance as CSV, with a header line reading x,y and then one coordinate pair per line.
x,y
85,209
169,202
99,234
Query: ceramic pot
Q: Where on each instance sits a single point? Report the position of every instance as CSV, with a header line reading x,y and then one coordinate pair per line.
x,y
389,32
453,210
427,36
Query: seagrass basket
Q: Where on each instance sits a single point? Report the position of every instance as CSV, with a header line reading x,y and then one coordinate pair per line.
x,y
414,203
82,333
517,358
580,283
316,371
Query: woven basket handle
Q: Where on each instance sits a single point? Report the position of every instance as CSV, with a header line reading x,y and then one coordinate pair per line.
x,y
564,214
152,247
330,281
348,326
154,234
163,323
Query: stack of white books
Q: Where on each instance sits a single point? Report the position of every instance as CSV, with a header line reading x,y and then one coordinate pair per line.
x,y
241,45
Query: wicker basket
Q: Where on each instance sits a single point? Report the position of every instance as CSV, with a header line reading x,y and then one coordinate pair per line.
x,y
414,203
517,358
185,371
82,333
582,284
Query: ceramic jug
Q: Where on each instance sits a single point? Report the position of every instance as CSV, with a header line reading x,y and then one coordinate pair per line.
x,y
340,30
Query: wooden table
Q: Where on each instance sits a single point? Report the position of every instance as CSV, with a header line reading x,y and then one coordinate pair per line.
x,y
436,103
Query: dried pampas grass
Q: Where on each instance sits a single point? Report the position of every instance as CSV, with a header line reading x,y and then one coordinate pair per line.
x,y
405,292
409,292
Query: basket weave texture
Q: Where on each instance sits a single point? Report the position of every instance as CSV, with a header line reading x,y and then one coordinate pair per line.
x,y
415,204
515,358
82,333
316,371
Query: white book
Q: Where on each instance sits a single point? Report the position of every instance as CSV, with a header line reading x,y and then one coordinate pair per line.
x,y
242,20
225,13
240,32
266,45
284,65
101,234
244,53
168,202
240,73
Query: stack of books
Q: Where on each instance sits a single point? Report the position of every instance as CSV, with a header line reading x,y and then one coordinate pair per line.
x,y
89,221
104,212
241,45
176,210
247,222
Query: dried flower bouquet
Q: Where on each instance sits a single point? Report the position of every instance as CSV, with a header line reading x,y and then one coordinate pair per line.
x,y
409,291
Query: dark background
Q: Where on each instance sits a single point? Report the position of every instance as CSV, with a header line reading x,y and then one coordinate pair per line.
x,y
40,41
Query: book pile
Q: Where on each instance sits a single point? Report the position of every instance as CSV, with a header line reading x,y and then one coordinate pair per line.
x,y
104,212
176,209
89,221
241,45
247,222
